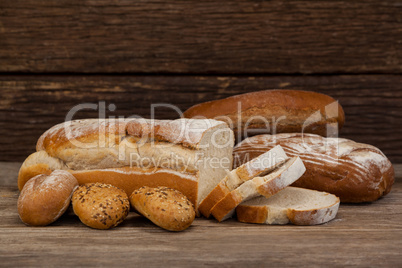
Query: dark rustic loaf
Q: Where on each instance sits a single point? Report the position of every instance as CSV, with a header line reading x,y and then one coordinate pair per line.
x,y
354,172
274,111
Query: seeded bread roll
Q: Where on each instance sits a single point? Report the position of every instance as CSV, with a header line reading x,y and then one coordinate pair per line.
x,y
45,198
167,208
100,206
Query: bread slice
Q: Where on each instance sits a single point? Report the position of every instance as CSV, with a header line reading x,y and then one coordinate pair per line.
x,y
296,205
267,186
258,166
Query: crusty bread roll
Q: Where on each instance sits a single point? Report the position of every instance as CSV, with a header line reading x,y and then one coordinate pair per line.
x,y
259,166
267,186
166,207
45,198
274,111
36,164
296,205
100,206
355,172
189,155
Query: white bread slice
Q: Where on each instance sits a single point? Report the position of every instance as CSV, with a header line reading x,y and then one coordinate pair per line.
x,y
296,205
258,166
267,186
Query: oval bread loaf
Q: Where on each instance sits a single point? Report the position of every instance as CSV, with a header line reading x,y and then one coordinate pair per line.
x,y
274,111
355,172
189,155
44,198
166,207
100,206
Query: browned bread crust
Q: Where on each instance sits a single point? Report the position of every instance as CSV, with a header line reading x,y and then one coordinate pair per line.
x,y
216,195
289,108
45,198
92,133
166,207
133,178
354,172
100,206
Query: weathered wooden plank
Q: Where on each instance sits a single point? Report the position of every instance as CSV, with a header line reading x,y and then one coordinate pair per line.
x,y
365,235
201,36
31,104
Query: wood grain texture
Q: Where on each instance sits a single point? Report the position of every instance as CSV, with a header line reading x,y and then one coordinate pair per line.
x,y
362,235
31,104
201,36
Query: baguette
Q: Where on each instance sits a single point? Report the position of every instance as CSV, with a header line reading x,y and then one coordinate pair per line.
x,y
188,155
355,172
296,205
266,186
259,166
274,111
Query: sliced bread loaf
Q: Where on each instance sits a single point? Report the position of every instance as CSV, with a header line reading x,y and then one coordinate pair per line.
x,y
258,166
189,155
267,186
296,205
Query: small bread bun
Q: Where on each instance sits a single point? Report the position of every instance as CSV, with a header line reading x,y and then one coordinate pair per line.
x,y
100,206
166,207
44,198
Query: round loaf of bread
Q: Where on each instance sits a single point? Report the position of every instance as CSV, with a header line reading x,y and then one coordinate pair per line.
x,y
166,207
45,198
355,172
100,206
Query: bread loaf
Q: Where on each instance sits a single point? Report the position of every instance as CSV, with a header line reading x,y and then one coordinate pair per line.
x,y
45,198
354,172
266,186
274,111
296,205
258,166
166,207
189,155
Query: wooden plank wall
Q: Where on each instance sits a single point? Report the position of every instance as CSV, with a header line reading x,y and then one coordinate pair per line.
x,y
57,54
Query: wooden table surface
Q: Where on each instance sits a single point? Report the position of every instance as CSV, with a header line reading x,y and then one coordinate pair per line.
x,y
364,235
